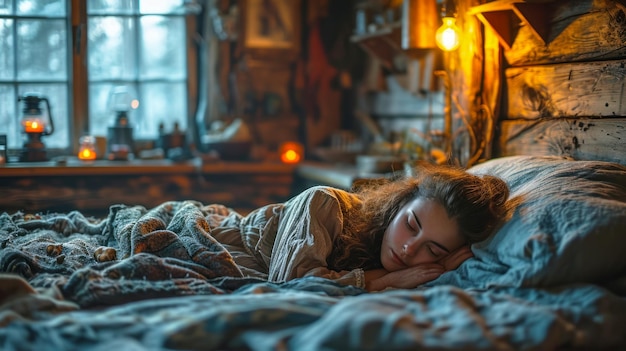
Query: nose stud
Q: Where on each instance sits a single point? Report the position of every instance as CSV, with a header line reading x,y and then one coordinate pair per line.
x,y
405,247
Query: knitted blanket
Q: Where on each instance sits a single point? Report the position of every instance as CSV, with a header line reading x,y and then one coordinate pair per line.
x,y
553,277
132,254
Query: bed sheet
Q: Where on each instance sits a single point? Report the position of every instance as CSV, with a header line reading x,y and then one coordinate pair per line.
x,y
552,277
316,314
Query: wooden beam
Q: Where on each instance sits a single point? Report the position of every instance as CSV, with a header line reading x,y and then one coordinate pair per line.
x,y
582,30
505,17
79,110
503,23
537,17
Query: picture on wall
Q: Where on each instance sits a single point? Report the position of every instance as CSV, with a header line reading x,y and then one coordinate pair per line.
x,y
271,28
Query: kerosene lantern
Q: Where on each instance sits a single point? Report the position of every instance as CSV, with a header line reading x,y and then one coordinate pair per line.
x,y
120,136
36,122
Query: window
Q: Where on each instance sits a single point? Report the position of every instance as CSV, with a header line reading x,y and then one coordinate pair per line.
x,y
79,53
34,57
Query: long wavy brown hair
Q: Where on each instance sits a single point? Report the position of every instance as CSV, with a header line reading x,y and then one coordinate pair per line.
x,y
477,203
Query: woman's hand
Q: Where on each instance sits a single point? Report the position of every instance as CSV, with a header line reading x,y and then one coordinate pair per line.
x,y
411,277
407,278
455,258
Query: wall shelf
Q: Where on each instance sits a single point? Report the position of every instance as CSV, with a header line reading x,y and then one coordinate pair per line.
x,y
504,17
384,43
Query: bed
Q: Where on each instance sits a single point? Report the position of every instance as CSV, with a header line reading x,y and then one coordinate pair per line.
x,y
552,277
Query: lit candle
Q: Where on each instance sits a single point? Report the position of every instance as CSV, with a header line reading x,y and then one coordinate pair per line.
x,y
87,154
33,125
87,150
291,152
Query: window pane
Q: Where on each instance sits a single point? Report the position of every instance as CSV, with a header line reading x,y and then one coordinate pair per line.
x,y
99,115
7,62
151,57
6,7
42,45
111,7
9,116
51,8
102,112
160,103
160,7
112,48
163,47
57,97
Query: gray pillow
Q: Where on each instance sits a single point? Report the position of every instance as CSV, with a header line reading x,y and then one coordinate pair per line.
x,y
568,225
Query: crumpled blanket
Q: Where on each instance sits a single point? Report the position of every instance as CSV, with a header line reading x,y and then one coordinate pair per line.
x,y
313,313
156,280
552,278
132,254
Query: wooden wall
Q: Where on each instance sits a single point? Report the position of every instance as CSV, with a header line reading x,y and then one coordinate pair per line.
x,y
284,92
564,94
557,93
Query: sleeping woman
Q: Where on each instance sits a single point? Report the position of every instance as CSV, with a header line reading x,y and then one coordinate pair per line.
x,y
399,234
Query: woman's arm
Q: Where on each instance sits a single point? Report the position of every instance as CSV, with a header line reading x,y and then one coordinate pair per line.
x,y
373,279
407,278
308,226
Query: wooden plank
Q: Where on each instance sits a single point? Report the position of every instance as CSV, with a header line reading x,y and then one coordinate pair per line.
x,y
504,18
75,168
579,138
591,89
93,195
581,30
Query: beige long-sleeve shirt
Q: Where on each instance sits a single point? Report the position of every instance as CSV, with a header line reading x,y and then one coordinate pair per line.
x,y
284,241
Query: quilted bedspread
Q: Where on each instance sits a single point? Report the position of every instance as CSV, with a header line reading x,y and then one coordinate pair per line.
x,y
553,277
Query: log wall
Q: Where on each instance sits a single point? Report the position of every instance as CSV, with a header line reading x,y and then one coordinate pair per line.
x,y
566,96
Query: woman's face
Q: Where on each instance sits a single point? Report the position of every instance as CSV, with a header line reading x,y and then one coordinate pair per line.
x,y
421,232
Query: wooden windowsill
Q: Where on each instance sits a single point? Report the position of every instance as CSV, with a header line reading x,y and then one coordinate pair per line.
x,y
337,175
75,167
340,176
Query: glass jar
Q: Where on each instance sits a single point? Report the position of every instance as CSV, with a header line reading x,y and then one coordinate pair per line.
x,y
87,148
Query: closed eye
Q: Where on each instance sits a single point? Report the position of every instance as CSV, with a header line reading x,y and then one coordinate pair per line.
x,y
435,251
437,247
418,225
410,226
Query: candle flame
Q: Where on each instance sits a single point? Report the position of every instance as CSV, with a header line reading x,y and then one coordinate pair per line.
x,y
87,154
291,152
33,126
290,156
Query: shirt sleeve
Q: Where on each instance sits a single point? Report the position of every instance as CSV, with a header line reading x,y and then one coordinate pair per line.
x,y
308,226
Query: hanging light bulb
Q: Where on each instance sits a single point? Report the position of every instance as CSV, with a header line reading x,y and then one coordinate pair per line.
x,y
448,36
